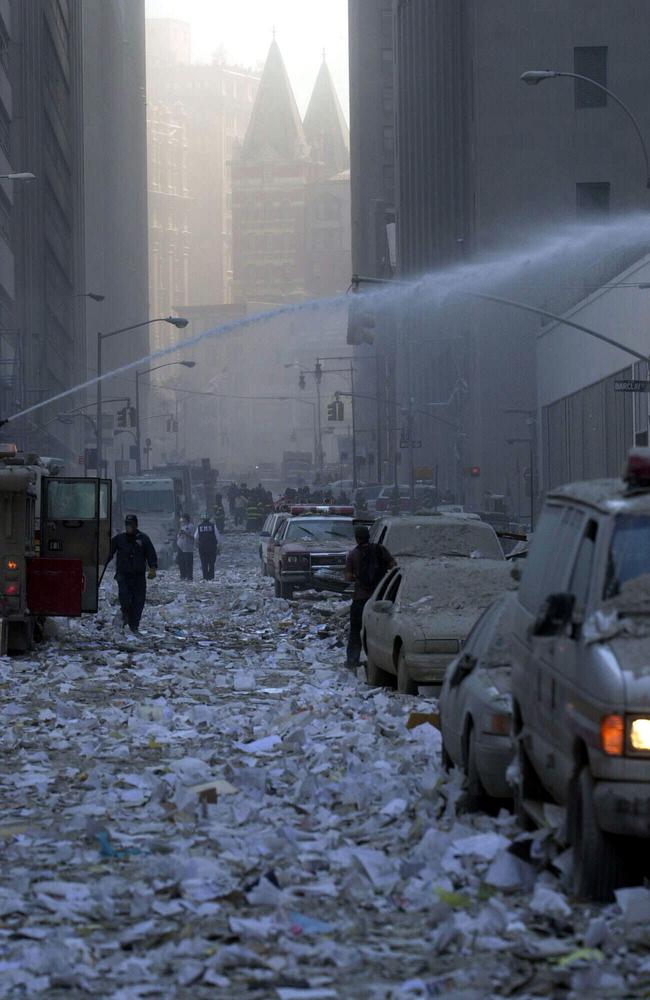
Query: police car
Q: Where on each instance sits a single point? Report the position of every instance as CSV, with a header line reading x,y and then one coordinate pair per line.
x,y
311,549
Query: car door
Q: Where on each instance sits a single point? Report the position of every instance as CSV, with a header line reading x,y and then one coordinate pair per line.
x,y
275,548
543,654
456,687
567,683
373,620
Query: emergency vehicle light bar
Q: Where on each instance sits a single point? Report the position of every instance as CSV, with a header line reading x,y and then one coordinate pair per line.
x,y
637,471
316,509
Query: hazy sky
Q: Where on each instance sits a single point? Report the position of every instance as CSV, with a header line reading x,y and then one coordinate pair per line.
x,y
244,29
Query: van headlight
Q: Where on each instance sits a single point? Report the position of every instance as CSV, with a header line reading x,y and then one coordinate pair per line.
x,y
640,734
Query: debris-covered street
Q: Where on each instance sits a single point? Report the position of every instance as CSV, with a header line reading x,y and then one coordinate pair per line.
x,y
219,809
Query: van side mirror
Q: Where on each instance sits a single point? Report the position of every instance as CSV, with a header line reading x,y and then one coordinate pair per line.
x,y
555,615
463,668
383,607
515,573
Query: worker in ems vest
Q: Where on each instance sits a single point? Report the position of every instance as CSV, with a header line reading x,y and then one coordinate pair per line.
x,y
207,538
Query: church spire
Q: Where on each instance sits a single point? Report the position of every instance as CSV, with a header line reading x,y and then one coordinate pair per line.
x,y
325,126
275,128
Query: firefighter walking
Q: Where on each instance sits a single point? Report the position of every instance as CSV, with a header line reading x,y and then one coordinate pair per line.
x,y
135,555
207,538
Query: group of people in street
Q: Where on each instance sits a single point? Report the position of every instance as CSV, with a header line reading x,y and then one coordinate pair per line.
x,y
321,497
205,537
136,560
249,507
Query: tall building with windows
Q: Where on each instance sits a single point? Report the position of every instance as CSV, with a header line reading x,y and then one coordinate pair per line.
x,y
169,208
482,164
76,71
46,139
215,101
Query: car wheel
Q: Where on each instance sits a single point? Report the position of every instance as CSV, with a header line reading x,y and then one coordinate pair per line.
x,y
404,683
525,788
598,857
377,677
286,590
476,797
447,762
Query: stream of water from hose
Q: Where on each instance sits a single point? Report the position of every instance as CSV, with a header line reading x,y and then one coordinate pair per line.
x,y
548,259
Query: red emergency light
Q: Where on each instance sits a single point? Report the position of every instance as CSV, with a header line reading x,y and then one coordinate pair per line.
x,y
321,509
637,471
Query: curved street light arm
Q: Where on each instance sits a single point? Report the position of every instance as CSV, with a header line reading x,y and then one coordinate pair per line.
x,y
594,83
559,319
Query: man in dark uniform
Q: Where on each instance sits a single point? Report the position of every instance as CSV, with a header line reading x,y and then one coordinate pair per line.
x,y
207,538
134,553
366,566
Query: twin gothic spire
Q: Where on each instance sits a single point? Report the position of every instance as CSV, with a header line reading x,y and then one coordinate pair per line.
x,y
276,131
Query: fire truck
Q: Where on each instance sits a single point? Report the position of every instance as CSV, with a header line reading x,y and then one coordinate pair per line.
x,y
55,536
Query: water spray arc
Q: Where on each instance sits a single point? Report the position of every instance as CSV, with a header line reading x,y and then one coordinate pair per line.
x,y
548,258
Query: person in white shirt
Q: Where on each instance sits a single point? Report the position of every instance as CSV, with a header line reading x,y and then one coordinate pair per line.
x,y
207,538
185,546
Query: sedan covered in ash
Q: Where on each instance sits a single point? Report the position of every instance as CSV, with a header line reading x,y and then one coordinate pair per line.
x,y
430,536
421,614
476,706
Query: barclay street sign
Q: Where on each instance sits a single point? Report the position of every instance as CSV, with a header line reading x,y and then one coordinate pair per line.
x,y
632,385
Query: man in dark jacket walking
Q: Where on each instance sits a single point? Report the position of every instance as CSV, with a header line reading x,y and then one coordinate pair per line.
x,y
134,554
366,566
207,538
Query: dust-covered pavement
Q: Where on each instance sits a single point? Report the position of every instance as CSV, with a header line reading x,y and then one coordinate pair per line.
x,y
219,809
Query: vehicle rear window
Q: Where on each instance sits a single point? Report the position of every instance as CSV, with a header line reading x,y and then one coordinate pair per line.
x,y
322,529
444,538
629,553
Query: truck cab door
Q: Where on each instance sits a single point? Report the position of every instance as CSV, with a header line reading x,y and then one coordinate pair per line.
x,y
76,524
105,522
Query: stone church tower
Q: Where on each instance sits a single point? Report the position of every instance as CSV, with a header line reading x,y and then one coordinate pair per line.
x,y
291,203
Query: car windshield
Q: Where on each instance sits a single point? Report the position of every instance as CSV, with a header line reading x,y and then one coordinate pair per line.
x,y
629,553
389,491
319,528
368,492
148,502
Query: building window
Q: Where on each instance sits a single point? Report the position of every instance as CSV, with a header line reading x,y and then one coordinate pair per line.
x,y
590,61
592,199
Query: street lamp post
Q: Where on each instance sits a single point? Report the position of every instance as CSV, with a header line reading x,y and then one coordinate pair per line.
x,y
138,375
530,442
176,321
533,77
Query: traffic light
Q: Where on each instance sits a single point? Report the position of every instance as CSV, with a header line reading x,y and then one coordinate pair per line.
x,y
335,410
474,471
301,381
133,416
122,417
318,373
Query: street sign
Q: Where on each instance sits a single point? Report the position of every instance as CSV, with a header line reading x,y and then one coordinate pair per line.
x,y
632,385
410,444
423,472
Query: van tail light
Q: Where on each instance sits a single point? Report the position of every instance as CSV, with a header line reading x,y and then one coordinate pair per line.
x,y
612,735
12,589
